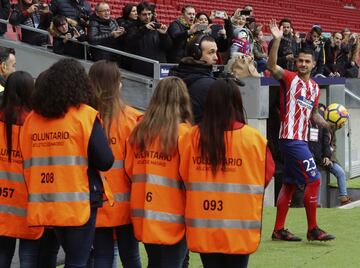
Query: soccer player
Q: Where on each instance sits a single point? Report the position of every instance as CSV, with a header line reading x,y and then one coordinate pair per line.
x,y
299,97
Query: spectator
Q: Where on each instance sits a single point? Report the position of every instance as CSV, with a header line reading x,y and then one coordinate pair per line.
x,y
152,164
224,162
196,71
119,120
217,31
64,31
4,14
240,43
299,95
149,39
72,189
336,55
33,14
128,21
105,31
7,67
289,48
260,56
314,42
322,143
180,30
78,10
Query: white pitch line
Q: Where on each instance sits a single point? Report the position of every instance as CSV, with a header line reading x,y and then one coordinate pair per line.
x,y
351,205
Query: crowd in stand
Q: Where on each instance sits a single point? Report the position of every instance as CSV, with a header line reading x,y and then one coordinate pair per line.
x,y
139,32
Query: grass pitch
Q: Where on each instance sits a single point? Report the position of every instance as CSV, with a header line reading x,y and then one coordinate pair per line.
x,y
344,251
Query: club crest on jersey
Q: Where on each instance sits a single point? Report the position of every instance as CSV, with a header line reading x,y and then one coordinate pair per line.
x,y
303,102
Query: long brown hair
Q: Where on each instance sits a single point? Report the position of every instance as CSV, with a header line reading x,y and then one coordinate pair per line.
x,y
223,106
105,77
169,106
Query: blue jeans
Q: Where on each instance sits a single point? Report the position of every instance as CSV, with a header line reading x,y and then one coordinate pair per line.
x,y
339,173
126,242
40,253
7,249
77,242
216,260
164,256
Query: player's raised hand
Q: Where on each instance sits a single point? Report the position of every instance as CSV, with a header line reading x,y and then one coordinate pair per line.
x,y
275,31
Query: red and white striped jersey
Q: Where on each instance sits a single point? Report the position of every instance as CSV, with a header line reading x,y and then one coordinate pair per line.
x,y
297,100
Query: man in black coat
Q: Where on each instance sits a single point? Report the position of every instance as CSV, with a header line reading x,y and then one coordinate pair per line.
x,y
149,39
180,31
105,31
196,69
78,10
4,14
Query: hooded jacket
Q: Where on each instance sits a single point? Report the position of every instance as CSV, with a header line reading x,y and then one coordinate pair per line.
x,y
198,77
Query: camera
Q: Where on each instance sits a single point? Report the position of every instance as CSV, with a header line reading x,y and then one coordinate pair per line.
x,y
157,25
302,35
245,12
219,14
201,27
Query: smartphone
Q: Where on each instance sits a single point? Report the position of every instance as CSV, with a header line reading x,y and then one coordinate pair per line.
x,y
302,35
157,25
245,12
326,35
219,14
201,27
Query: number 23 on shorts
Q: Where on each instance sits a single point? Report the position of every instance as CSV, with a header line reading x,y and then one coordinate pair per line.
x,y
309,164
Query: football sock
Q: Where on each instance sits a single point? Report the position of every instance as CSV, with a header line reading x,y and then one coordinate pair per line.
x,y
310,202
283,203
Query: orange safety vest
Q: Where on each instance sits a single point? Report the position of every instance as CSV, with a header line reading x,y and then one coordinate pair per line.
x,y
157,194
119,213
55,167
223,212
13,192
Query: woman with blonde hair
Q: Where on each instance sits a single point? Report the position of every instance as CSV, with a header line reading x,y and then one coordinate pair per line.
x,y
157,194
119,119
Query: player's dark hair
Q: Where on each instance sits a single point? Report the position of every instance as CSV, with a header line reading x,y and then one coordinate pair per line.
x,y
308,51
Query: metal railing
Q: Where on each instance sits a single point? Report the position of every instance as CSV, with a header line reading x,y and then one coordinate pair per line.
x,y
87,46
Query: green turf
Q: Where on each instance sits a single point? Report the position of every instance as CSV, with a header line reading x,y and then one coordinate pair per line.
x,y
353,183
342,252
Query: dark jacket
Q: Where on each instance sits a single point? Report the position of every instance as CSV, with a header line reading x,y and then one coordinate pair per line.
x,y
337,59
198,77
287,46
321,148
319,56
179,35
99,33
72,9
4,14
68,48
36,19
125,44
150,44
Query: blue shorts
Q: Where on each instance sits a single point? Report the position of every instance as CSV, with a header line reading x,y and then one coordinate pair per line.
x,y
299,163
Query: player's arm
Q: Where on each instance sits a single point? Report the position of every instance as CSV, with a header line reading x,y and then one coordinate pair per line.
x,y
275,70
317,118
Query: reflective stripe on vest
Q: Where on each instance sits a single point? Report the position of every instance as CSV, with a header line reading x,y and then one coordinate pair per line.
x,y
56,160
118,164
158,216
122,197
11,176
154,179
59,197
13,210
224,187
224,224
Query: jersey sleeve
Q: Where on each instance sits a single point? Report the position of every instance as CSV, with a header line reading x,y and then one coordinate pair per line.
x,y
287,79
